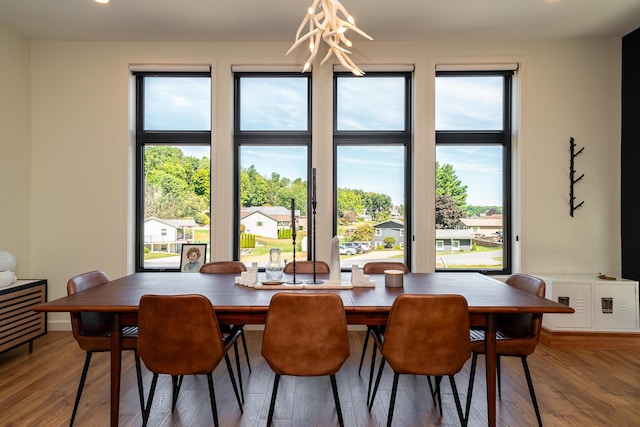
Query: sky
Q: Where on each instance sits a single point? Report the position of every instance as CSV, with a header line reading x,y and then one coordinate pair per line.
x,y
363,104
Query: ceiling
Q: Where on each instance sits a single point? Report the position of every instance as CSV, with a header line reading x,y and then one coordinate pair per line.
x,y
277,20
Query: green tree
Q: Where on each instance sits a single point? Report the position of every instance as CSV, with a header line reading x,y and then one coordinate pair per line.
x,y
378,205
349,201
363,233
447,213
448,183
389,241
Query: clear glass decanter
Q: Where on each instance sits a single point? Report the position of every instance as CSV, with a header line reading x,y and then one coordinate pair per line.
x,y
273,269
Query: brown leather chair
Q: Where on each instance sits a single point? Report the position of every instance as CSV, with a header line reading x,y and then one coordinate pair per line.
x,y
306,267
376,267
179,335
426,335
231,332
305,335
517,336
92,331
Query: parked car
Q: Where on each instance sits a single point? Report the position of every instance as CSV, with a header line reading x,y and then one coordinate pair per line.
x,y
366,246
355,246
344,250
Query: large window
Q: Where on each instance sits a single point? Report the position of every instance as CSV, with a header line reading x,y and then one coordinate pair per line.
x,y
473,158
173,177
372,140
272,150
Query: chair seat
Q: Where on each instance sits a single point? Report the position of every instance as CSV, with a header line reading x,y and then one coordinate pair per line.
x,y
505,345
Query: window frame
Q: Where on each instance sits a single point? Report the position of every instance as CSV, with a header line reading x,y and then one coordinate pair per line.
x,y
378,138
157,137
265,138
502,138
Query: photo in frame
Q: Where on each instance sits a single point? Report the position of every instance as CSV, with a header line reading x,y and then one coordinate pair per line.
x,y
193,257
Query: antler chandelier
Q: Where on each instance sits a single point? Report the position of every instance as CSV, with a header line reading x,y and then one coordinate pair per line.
x,y
325,25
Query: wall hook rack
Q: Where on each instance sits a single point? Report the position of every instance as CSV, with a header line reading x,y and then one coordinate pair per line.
x,y
572,176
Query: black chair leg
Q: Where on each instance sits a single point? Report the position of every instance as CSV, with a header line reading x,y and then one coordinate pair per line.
x,y
364,349
532,392
83,377
454,389
438,395
276,381
371,369
336,398
212,397
392,402
472,374
176,383
139,378
434,391
236,353
152,390
375,389
233,381
246,351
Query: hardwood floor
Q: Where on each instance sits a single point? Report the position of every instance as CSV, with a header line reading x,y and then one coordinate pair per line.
x,y
574,388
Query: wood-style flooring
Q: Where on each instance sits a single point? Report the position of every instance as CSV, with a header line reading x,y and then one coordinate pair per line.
x,y
574,388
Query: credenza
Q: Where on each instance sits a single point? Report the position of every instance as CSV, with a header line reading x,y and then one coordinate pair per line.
x,y
19,324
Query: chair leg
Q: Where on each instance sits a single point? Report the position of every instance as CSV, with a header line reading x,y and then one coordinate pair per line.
x,y
372,369
233,381
276,381
336,398
139,378
152,390
438,395
364,349
246,351
532,392
83,377
375,389
237,354
454,390
472,374
176,383
212,397
434,391
392,402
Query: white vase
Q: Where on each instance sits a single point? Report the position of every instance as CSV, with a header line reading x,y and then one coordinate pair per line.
x,y
6,278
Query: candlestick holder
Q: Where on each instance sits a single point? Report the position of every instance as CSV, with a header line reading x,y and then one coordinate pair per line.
x,y
294,281
314,203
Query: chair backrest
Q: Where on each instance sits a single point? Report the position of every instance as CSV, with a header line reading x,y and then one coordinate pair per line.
x,y
179,334
378,267
427,334
88,323
305,334
306,267
525,325
223,267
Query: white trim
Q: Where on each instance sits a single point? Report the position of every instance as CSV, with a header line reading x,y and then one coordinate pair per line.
x,y
373,68
243,68
477,67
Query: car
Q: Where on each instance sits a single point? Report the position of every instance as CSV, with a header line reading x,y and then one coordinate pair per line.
x,y
355,246
344,250
366,246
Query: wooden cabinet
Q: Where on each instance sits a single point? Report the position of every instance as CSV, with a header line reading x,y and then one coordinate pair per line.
x,y
18,323
600,305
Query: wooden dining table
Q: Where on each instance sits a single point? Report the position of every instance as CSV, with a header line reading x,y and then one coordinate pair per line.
x,y
236,304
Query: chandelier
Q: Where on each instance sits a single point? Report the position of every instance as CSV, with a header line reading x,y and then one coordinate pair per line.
x,y
326,25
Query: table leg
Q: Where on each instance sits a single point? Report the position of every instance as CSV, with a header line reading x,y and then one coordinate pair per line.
x,y
490,359
116,367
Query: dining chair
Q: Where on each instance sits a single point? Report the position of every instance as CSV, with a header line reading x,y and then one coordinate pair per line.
x,y
229,331
179,335
305,335
306,267
426,335
92,331
376,332
517,336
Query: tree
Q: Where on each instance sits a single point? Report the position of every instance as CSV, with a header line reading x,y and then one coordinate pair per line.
x,y
446,212
378,205
389,241
349,201
448,183
363,233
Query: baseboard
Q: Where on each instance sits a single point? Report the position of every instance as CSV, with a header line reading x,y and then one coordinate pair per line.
x,y
629,341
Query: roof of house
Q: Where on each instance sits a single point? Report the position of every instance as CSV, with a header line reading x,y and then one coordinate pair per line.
x,y
176,223
392,223
453,234
483,221
276,213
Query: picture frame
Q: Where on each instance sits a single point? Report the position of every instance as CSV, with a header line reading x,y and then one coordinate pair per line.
x,y
193,256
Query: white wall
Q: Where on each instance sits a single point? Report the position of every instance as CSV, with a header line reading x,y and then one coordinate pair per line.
x,y
15,148
81,146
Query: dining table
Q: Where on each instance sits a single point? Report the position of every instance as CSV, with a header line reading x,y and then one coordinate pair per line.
x,y
233,303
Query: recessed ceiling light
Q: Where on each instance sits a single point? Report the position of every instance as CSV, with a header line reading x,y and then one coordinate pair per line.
x,y
101,1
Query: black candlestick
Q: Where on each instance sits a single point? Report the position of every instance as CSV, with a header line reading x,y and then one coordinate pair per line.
x,y
293,239
314,204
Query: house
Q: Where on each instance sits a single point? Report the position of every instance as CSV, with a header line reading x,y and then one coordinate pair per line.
x,y
481,226
265,221
168,235
391,228
453,240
